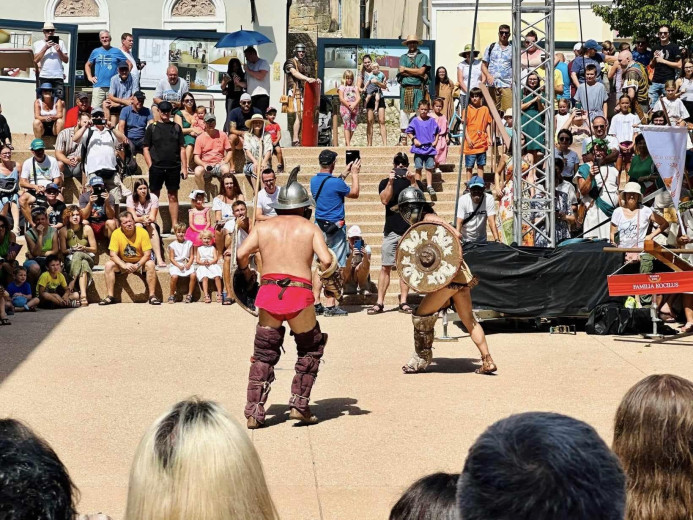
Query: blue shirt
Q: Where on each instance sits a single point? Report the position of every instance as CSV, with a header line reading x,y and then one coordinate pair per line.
x,y
499,62
579,66
121,89
13,288
330,203
643,57
563,67
105,63
135,121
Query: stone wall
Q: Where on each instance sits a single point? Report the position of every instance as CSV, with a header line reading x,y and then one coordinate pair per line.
x,y
310,16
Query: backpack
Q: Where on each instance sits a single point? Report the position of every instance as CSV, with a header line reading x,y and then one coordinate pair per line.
x,y
8,186
85,147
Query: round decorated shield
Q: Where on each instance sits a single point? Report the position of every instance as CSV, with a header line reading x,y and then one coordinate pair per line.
x,y
429,255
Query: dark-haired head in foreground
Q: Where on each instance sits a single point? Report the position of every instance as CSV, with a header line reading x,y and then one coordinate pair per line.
x,y
429,498
541,466
34,484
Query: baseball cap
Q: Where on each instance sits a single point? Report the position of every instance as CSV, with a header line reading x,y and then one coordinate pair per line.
x,y
270,109
476,182
246,97
53,186
592,44
165,106
96,181
577,46
195,193
37,144
123,64
354,231
327,157
210,117
96,110
81,95
140,95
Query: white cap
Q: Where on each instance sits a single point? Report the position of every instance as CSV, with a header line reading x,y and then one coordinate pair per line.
x,y
354,231
195,193
577,46
246,97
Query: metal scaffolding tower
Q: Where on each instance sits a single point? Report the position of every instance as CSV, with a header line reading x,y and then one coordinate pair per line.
x,y
534,189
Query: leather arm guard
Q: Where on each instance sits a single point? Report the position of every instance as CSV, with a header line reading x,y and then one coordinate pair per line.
x,y
332,278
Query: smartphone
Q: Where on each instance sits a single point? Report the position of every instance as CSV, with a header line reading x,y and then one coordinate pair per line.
x,y
352,156
54,39
358,244
400,172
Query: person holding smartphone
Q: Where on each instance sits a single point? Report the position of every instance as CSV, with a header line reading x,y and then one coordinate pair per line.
x,y
358,265
50,55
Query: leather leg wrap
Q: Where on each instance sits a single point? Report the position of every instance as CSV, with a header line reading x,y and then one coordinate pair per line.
x,y
266,353
423,343
310,346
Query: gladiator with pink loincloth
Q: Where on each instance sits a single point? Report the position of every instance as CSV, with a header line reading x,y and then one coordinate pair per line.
x,y
288,245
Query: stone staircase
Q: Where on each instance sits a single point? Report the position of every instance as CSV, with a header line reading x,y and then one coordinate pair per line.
x,y
367,211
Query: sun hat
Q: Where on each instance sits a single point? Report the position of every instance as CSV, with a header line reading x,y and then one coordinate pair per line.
x,y
476,182
354,231
48,26
467,50
37,144
508,113
255,118
412,38
631,187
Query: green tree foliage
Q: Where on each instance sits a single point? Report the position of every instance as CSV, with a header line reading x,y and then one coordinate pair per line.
x,y
633,18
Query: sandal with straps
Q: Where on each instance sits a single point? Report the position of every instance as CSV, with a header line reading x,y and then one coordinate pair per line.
x,y
487,365
376,309
405,308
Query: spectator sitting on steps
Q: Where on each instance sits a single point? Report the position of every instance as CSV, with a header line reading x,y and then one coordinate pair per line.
x,y
41,242
49,112
69,153
81,105
98,207
38,171
267,196
212,155
130,251
119,93
53,290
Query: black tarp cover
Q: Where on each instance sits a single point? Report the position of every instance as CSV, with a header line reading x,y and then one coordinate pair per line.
x,y
537,282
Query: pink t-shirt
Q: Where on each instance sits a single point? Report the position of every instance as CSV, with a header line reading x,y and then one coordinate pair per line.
x,y
274,130
212,149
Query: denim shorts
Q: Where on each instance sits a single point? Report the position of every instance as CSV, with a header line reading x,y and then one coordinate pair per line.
x,y
424,161
478,158
337,242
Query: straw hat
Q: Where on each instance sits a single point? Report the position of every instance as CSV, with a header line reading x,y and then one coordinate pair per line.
x,y
467,50
253,119
412,38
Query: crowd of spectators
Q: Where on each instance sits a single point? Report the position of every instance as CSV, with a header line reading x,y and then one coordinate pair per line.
x,y
198,461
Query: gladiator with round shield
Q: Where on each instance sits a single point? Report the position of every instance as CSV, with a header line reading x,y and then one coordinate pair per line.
x,y
429,260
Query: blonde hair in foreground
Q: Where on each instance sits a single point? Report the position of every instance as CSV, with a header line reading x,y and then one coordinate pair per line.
x,y
196,463
653,437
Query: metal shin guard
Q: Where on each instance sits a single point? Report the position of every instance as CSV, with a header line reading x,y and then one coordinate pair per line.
x,y
310,346
266,352
423,344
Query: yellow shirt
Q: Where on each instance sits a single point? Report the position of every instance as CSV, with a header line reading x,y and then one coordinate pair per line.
x,y
557,76
130,251
50,283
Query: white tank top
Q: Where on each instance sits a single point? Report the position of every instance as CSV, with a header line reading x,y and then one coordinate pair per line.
x,y
45,112
687,89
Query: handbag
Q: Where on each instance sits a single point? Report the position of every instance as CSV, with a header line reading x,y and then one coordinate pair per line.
x,y
286,101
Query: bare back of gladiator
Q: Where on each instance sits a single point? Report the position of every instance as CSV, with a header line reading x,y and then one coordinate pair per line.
x,y
287,244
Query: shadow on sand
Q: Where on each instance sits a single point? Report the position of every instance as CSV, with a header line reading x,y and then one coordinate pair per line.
x,y
324,409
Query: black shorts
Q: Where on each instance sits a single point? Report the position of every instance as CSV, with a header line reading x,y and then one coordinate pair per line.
x,y
371,103
160,175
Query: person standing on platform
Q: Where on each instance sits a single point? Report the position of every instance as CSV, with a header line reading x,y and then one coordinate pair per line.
x,y
414,67
298,71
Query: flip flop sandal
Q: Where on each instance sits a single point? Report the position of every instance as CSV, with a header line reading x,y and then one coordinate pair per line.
x,y
405,308
669,319
219,300
376,309
153,300
208,299
172,299
5,321
227,301
688,327
188,298
295,143
84,302
108,300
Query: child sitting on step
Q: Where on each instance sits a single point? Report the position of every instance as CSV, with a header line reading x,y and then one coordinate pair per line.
x,y
199,218
182,256
206,258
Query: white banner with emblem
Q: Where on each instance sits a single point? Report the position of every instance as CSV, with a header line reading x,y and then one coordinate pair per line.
x,y
667,146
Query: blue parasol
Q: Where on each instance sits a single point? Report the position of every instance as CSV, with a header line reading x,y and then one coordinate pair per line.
x,y
242,39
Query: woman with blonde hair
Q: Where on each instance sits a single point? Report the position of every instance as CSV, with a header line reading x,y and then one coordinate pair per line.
x,y
196,462
653,435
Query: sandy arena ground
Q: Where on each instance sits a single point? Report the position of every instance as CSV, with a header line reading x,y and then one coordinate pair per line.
x,y
92,380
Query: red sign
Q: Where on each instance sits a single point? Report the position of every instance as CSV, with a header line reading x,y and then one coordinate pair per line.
x,y
655,283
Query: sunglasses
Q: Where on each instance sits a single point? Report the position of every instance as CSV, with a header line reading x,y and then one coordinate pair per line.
x,y
39,151
188,101
505,33
663,33
598,126
563,139
244,103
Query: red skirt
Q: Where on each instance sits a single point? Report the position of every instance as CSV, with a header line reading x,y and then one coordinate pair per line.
x,y
293,299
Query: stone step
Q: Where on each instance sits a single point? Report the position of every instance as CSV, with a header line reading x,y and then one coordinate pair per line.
x,y
365,151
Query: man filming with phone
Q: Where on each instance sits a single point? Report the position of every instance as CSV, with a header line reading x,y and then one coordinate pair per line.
x,y
329,192
49,55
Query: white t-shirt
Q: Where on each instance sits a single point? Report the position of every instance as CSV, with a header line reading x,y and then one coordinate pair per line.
x,y
475,229
568,188
264,200
46,171
632,232
101,150
256,87
173,93
225,208
464,67
622,128
675,109
51,64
